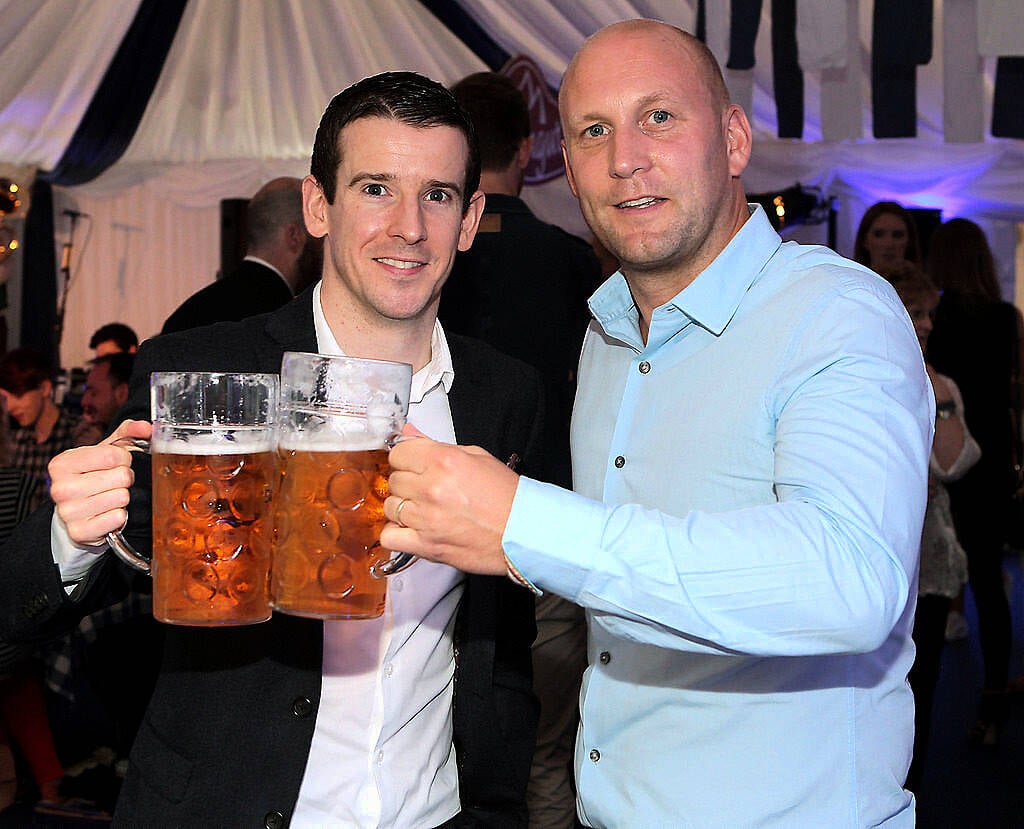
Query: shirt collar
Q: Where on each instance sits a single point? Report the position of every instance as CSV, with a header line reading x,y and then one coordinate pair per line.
x,y
266,264
710,300
439,371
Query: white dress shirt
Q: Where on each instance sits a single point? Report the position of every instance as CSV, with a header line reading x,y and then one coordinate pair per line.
x,y
382,752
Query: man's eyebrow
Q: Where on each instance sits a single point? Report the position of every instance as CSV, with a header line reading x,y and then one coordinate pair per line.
x,y
368,176
444,185
651,99
433,184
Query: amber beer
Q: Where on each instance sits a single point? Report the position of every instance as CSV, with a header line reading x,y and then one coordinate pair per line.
x,y
328,517
336,420
211,533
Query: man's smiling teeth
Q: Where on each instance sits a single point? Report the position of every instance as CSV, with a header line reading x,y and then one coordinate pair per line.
x,y
404,264
644,202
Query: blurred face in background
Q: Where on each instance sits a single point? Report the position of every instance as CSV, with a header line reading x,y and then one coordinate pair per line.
x,y
886,241
922,314
28,406
103,395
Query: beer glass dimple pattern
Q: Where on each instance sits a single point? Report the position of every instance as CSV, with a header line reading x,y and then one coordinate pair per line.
x,y
214,467
337,420
211,531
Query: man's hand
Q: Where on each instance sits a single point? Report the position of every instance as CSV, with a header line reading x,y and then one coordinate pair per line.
x,y
448,504
89,485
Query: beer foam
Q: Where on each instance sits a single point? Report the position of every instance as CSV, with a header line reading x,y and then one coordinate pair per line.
x,y
206,440
328,441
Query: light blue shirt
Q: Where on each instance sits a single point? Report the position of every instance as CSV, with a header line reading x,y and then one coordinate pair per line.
x,y
751,486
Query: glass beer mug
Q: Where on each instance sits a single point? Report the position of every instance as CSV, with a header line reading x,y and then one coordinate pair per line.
x,y
213,451
337,419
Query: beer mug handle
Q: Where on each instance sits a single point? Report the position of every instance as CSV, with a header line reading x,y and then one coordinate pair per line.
x,y
394,565
116,539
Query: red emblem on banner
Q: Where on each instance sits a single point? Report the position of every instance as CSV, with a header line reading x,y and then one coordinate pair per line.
x,y
546,159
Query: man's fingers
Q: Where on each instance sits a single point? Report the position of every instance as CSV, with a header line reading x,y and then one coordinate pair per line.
x,y
88,507
94,530
131,429
69,485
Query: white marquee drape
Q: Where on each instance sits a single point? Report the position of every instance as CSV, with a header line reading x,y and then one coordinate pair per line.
x,y
245,83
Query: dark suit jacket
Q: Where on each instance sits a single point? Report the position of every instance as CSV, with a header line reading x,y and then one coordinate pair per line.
x,y
227,732
250,289
523,287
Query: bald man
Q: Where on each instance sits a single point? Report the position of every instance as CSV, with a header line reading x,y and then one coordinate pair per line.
x,y
281,260
750,448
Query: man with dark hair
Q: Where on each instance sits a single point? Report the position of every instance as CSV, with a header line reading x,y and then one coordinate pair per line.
x,y
523,288
423,717
282,259
112,338
106,391
44,428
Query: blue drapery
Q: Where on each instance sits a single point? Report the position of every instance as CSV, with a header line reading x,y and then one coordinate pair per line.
x,y
457,21
106,130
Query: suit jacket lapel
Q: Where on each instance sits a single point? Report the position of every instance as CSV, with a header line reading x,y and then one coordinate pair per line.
x,y
290,328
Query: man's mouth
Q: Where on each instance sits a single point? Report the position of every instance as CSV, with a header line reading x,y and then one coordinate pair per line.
x,y
401,264
646,201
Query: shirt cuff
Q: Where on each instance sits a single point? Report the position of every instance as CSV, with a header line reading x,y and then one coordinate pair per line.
x,y
550,537
73,560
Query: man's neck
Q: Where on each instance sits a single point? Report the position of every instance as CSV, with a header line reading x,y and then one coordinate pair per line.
x,y
360,335
507,182
276,265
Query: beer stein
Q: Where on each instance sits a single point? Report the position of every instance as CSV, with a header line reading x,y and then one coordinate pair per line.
x,y
213,464
337,419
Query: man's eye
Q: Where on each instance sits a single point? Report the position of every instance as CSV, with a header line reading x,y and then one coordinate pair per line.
x,y
374,189
438,195
659,116
594,131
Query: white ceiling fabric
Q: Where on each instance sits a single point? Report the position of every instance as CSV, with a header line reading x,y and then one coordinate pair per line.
x,y
245,83
54,54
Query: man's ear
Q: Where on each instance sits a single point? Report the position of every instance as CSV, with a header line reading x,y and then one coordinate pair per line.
x,y
314,207
568,171
738,139
295,237
471,221
121,393
524,153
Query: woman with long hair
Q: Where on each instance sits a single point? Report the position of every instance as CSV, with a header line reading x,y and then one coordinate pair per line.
x,y
976,341
887,235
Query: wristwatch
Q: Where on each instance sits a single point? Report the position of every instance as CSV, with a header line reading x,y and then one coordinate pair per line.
x,y
944,410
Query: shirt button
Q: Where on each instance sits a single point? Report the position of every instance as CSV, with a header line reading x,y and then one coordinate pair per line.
x,y
273,820
380,758
644,367
620,462
397,584
595,755
605,657
389,669
302,707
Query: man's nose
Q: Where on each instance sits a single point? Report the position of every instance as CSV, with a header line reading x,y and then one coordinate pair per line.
x,y
628,153
407,221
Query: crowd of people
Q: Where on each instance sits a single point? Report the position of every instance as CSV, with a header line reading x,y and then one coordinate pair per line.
x,y
755,477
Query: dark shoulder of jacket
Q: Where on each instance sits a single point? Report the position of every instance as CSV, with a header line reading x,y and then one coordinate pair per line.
x,y
479,360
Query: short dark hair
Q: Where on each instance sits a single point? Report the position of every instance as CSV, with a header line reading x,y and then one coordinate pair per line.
x,y
499,114
23,370
120,333
401,96
119,366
